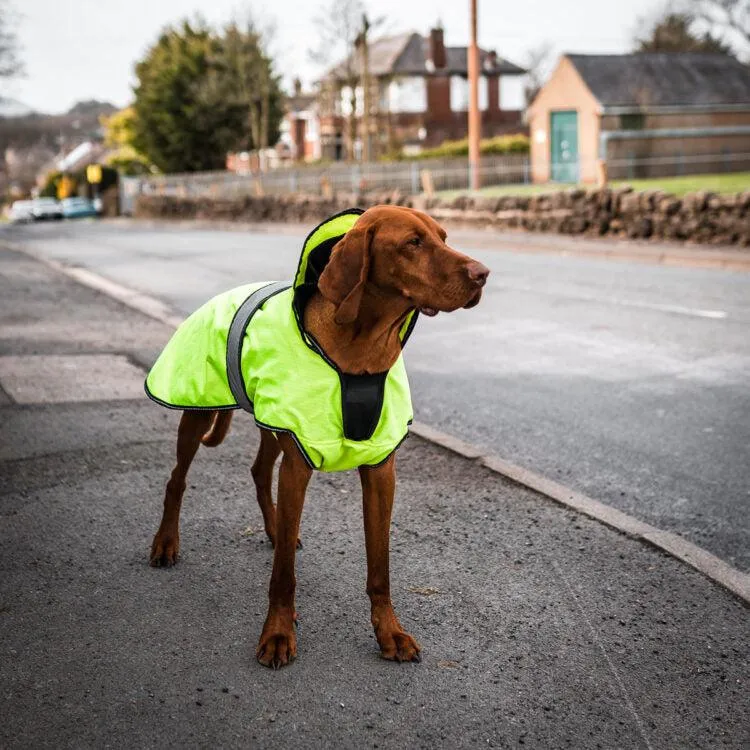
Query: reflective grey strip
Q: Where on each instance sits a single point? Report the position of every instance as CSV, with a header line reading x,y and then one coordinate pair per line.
x,y
236,337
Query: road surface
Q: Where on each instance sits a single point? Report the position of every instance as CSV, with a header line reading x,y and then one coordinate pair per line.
x,y
625,381
539,628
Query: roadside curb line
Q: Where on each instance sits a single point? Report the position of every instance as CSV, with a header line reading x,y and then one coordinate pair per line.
x,y
712,567
720,572
143,303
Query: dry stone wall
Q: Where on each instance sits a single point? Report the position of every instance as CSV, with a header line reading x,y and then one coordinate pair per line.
x,y
698,217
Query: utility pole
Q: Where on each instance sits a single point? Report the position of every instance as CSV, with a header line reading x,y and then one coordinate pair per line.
x,y
475,122
363,44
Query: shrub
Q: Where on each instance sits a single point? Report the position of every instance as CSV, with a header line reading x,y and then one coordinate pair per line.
x,y
59,185
499,145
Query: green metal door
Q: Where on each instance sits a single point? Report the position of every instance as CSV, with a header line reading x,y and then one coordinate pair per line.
x,y
564,146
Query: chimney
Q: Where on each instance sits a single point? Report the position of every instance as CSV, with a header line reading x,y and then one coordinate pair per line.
x,y
297,87
490,62
437,47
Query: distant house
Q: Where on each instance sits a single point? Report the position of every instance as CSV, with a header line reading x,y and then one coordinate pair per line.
x,y
299,137
419,96
644,114
81,156
300,129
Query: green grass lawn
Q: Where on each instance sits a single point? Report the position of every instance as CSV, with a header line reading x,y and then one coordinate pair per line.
x,y
714,183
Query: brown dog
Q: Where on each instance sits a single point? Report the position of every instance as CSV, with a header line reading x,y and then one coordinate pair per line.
x,y
393,260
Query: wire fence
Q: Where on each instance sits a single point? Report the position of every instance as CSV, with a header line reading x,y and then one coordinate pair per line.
x,y
406,176
429,175
678,164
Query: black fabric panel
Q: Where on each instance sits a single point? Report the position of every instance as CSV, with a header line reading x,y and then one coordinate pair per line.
x,y
357,211
361,403
318,259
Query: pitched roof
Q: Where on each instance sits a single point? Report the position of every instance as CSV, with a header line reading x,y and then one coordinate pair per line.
x,y
407,54
664,79
300,102
383,53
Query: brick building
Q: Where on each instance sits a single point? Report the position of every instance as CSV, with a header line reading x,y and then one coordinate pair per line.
x,y
419,96
645,115
300,129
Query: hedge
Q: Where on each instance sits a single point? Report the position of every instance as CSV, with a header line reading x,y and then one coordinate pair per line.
x,y
499,145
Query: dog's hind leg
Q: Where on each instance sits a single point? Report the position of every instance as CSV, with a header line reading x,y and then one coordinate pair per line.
x,y
263,477
218,429
166,545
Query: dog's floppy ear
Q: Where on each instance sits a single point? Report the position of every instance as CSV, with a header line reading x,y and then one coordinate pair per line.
x,y
344,277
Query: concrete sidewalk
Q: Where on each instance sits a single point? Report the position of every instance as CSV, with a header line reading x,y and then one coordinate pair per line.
x,y
539,627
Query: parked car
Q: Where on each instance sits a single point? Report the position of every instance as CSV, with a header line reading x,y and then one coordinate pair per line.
x,y
77,208
46,208
21,212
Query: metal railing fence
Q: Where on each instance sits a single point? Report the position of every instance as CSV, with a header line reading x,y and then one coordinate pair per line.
x,y
412,177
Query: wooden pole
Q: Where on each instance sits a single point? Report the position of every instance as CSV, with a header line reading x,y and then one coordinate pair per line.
x,y
475,122
366,143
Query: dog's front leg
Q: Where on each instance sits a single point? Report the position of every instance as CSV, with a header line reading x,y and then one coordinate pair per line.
x,y
278,644
378,488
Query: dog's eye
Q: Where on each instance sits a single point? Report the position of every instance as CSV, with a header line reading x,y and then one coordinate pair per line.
x,y
415,241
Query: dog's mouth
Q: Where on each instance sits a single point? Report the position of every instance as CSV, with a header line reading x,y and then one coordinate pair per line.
x,y
474,301
431,312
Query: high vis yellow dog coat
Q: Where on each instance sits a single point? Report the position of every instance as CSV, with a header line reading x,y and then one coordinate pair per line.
x,y
246,348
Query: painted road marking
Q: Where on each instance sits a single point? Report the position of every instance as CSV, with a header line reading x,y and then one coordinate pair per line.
x,y
676,309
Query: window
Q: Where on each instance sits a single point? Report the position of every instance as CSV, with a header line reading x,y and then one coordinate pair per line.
x,y
312,132
512,93
346,100
407,95
460,94
635,121
484,102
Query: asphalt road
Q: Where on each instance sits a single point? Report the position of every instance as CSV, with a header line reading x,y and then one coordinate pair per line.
x,y
540,628
627,382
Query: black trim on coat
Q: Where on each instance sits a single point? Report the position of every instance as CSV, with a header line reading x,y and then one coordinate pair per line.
x,y
157,400
398,445
294,437
345,212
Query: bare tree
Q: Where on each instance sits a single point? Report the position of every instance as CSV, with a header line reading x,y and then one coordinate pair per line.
x,y
338,27
731,18
537,63
10,62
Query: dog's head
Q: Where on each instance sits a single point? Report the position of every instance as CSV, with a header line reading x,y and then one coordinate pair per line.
x,y
400,252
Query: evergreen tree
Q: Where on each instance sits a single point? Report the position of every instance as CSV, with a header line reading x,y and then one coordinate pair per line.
x,y
672,32
197,94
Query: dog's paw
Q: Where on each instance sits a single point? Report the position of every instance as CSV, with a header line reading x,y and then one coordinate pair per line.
x,y
278,643
277,649
165,551
399,646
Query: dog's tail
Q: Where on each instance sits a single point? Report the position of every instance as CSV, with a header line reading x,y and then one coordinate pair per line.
x,y
218,429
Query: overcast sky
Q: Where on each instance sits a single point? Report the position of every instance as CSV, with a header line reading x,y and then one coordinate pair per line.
x,y
86,49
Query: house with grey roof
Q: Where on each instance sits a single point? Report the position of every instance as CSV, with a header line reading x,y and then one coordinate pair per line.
x,y
418,96
643,114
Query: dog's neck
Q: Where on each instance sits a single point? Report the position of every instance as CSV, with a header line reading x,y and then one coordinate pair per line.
x,y
371,343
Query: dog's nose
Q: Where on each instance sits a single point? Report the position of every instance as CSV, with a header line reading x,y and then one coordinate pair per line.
x,y
477,272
